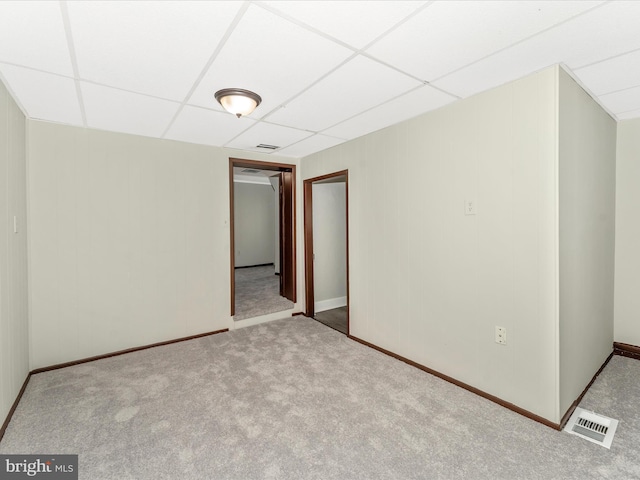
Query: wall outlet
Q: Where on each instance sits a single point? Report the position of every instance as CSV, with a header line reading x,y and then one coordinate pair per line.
x,y
501,335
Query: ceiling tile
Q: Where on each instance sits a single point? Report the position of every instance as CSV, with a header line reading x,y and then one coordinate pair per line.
x,y
402,108
199,125
44,96
268,134
270,56
612,75
599,34
605,32
344,20
157,48
629,115
32,35
448,35
310,145
358,85
622,101
139,61
120,111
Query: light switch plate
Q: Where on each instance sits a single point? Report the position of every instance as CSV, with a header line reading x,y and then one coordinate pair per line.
x,y
470,207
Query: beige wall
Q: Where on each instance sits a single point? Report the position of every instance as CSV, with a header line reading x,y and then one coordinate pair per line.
x,y
130,240
587,152
14,325
255,227
448,279
627,277
275,182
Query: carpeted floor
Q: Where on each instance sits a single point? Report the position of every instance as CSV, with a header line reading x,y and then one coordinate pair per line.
x,y
293,399
258,292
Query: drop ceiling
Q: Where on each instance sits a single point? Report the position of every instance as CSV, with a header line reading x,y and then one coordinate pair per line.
x,y
327,71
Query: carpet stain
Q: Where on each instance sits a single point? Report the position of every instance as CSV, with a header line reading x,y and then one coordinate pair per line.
x,y
127,395
127,413
160,426
273,471
276,397
231,440
186,455
376,444
252,431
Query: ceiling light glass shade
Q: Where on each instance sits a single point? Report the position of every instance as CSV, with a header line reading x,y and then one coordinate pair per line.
x,y
238,101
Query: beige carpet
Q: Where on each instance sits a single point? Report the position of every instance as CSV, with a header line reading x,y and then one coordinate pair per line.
x,y
293,399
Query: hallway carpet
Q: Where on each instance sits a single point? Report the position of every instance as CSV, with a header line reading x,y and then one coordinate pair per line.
x,y
258,292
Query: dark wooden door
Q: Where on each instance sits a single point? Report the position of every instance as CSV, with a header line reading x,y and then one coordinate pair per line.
x,y
287,250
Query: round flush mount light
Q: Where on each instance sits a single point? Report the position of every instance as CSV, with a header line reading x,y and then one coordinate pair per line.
x,y
238,101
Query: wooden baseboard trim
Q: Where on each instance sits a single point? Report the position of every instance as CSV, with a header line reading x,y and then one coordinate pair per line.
x,y
122,352
626,350
13,407
253,266
458,383
577,401
295,314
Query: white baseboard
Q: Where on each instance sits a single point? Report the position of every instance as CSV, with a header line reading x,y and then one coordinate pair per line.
x,y
323,305
250,322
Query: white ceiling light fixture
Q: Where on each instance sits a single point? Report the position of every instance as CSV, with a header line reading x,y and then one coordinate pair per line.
x,y
238,101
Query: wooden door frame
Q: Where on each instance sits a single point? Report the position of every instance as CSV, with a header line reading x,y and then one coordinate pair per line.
x,y
308,239
285,224
259,165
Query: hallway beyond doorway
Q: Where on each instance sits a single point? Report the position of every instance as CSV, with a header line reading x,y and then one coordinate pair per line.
x,y
335,318
258,292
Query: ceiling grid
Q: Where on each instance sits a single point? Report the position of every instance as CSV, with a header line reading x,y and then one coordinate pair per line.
x,y
327,71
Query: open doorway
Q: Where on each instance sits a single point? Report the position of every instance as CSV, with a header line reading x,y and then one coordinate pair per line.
x,y
326,235
262,237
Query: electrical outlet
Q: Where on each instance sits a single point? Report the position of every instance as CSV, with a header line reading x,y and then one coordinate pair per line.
x,y
501,335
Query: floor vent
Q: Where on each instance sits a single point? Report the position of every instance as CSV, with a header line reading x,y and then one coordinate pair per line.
x,y
592,427
268,147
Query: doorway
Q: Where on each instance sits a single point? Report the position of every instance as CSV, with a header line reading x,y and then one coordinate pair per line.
x,y
279,289
326,239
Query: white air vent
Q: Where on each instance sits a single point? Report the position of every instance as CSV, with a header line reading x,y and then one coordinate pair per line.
x,y
268,147
591,426
250,170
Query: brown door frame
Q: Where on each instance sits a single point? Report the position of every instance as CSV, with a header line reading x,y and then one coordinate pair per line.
x,y
308,239
272,166
287,250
